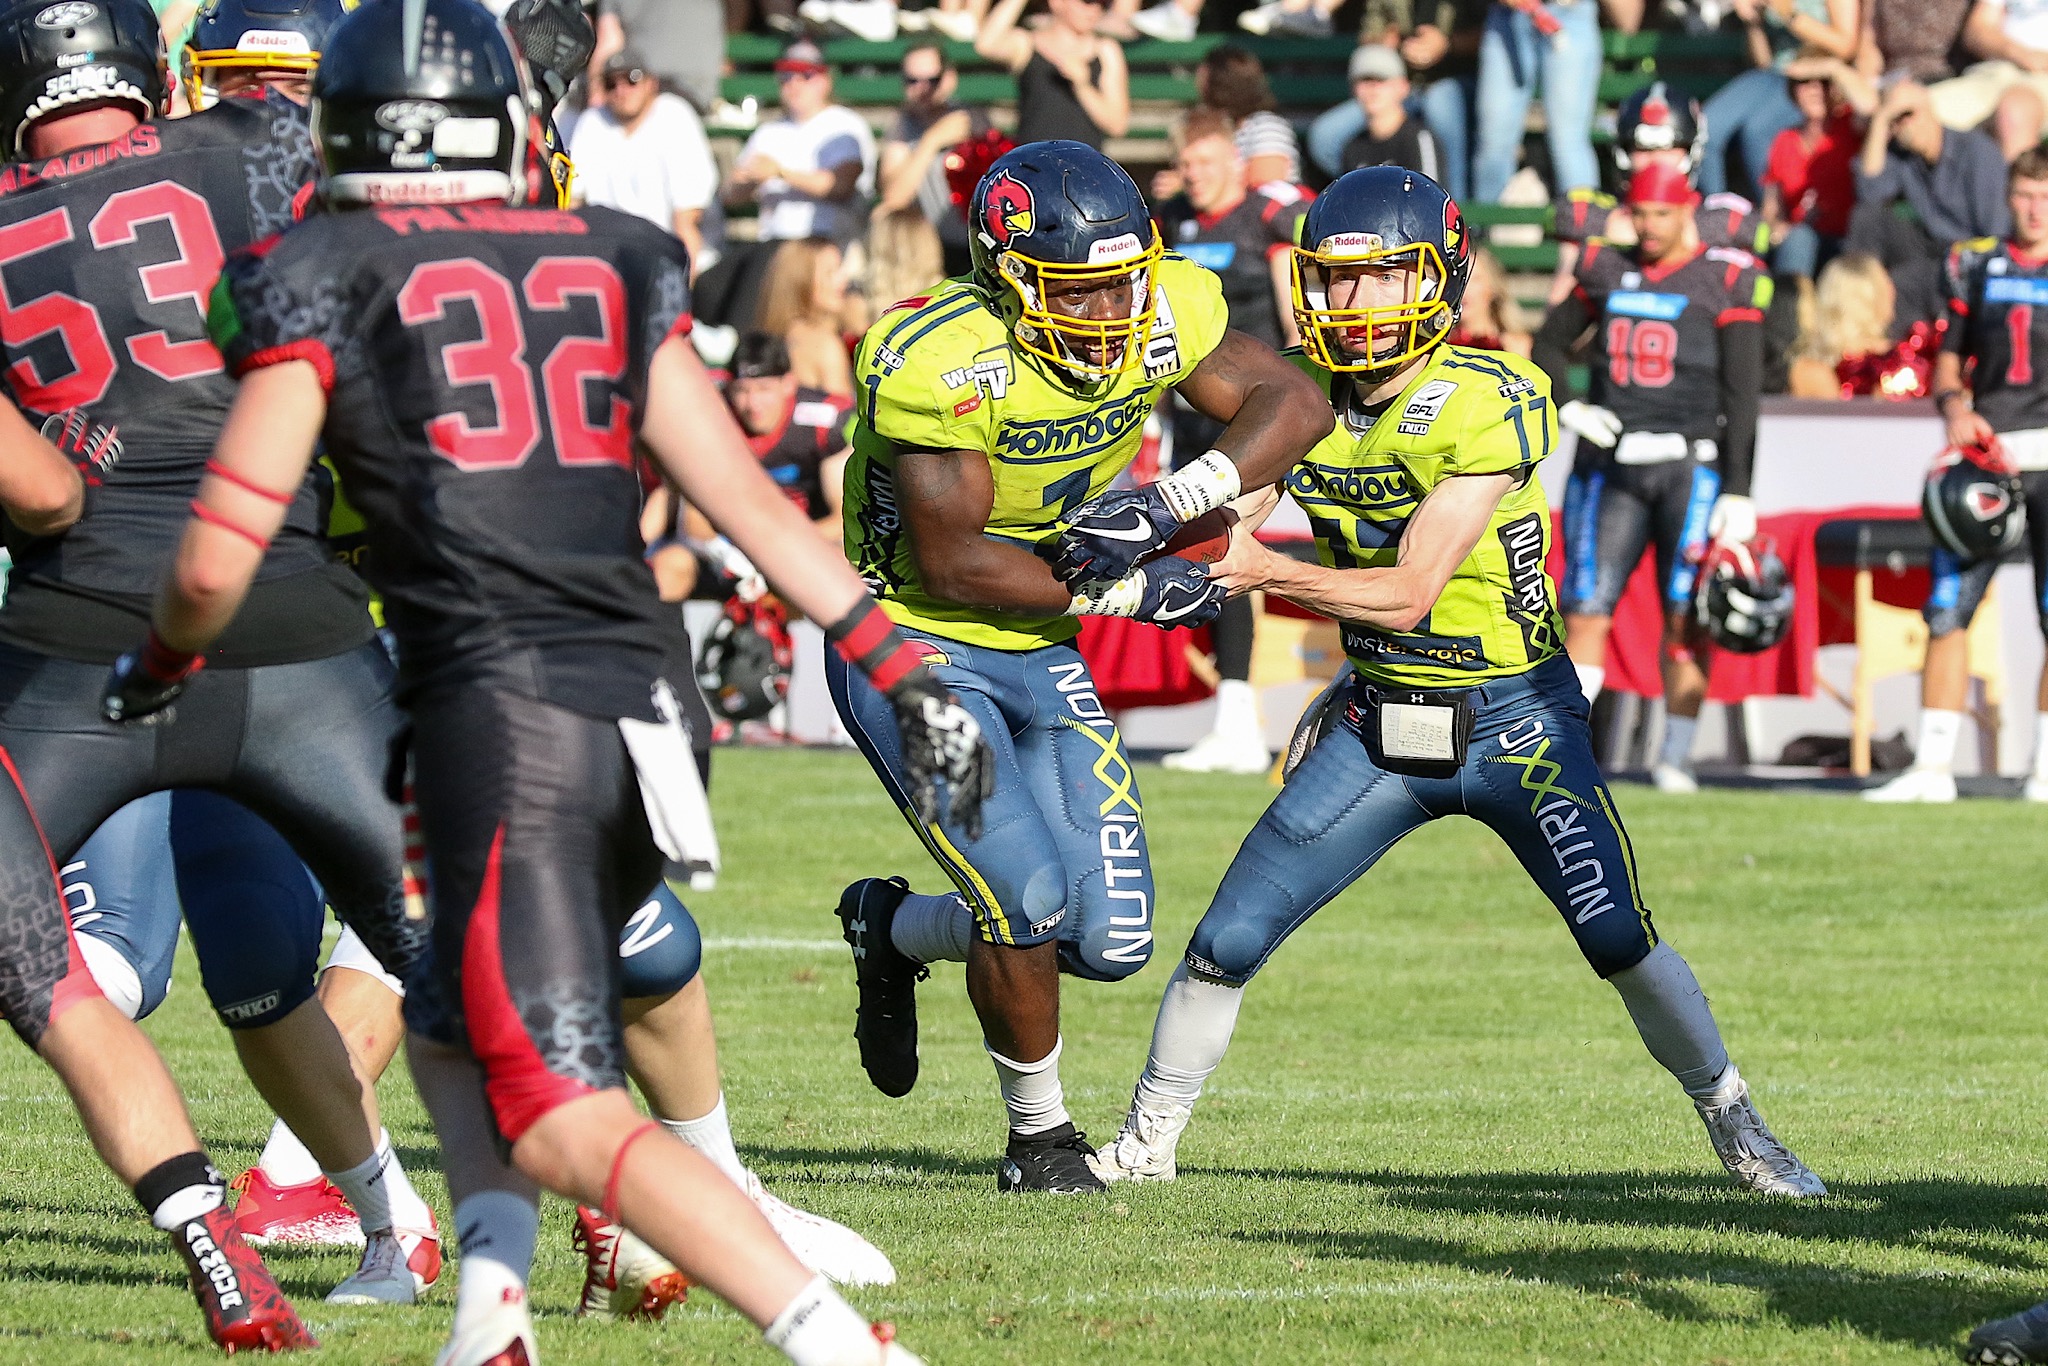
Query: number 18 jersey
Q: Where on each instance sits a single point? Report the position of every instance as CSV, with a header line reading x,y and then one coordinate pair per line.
x,y
486,371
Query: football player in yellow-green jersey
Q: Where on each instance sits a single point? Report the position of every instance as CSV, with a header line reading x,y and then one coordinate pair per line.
x,y
992,417
1432,531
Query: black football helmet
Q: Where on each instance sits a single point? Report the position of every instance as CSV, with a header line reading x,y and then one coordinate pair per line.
x,y
1660,118
57,56
256,35
425,102
1744,597
1379,216
1057,213
1973,504
744,669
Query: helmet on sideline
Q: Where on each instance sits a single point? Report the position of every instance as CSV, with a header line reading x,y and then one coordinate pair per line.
x,y
1660,118
1381,215
1061,213
54,56
744,668
256,35
439,113
1973,504
1744,599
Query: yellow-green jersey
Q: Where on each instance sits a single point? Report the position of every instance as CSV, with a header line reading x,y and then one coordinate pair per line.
x,y
1465,412
940,373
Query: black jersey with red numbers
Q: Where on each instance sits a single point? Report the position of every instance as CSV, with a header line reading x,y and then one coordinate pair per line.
x,y
486,370
1239,244
107,258
1656,358
1998,318
794,454
1724,219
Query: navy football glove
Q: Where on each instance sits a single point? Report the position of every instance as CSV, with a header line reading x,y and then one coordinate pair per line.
x,y
1177,592
1107,536
942,740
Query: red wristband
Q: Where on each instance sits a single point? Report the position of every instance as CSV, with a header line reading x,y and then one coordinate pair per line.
x,y
166,665
871,643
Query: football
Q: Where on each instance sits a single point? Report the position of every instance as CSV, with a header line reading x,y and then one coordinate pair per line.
x,y
1204,540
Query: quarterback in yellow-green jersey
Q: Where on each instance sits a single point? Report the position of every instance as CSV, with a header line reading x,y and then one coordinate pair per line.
x,y
1431,529
992,417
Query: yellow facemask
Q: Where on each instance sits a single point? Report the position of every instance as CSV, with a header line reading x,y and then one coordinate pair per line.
x,y
1423,316
1064,340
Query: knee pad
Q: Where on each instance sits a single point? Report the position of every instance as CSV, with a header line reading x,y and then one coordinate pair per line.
x,y
117,978
350,952
660,948
1106,956
1946,621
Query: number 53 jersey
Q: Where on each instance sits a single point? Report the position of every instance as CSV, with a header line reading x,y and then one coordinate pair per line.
x,y
940,373
1466,412
486,371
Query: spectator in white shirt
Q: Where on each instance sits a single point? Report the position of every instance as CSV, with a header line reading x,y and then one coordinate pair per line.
x,y
813,169
644,153
2011,39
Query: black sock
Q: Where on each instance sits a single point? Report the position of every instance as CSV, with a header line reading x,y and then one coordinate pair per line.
x,y
180,1190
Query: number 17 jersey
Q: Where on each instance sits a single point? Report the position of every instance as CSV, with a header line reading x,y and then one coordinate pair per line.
x,y
486,371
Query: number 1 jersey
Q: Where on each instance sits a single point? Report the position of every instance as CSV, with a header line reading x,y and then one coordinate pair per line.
x,y
1998,317
486,371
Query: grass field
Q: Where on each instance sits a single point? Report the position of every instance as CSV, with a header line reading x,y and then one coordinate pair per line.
x,y
1436,1138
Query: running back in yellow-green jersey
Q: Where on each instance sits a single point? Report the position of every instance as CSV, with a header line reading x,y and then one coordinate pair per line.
x,y
940,373
1464,412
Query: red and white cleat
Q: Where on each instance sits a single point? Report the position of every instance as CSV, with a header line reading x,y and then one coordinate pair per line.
x,y
894,1353
243,1308
311,1212
502,1337
397,1268
831,1249
622,1276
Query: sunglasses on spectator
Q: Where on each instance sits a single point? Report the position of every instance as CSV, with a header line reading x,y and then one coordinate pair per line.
x,y
619,78
917,82
785,77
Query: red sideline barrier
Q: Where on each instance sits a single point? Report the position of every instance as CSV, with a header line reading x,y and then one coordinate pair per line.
x,y
1137,665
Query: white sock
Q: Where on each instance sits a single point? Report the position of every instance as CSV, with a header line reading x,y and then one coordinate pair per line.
x,y
1032,1091
285,1160
408,1210
933,929
1591,678
1672,1015
363,1185
1938,732
711,1135
182,1206
818,1328
2041,745
1189,1039
497,1230
1678,733
1237,708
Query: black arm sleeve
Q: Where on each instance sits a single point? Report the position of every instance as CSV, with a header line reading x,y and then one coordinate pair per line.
x,y
1554,341
1742,376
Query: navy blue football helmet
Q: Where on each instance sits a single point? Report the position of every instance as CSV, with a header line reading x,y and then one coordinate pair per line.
x,y
1373,218
1060,217
425,102
1660,118
256,35
55,54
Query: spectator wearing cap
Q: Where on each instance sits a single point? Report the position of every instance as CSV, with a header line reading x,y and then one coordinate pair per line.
x,y
812,169
644,153
1390,137
914,153
682,42
1555,45
1440,45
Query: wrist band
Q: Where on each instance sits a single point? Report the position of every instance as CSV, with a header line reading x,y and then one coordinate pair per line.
x,y
869,641
1941,400
164,664
212,518
1109,597
1202,486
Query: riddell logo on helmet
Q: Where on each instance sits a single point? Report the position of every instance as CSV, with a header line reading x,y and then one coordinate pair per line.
x,y
1114,248
1009,211
1347,243
70,14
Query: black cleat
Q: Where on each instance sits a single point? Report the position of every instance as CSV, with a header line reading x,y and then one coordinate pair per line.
x,y
2011,1342
886,1023
1055,1161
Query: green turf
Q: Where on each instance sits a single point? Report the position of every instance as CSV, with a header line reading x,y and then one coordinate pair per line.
x,y
1436,1138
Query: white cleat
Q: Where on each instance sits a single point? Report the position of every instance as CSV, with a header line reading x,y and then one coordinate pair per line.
x,y
1220,753
872,21
1144,1147
959,25
832,1250
1260,20
501,1337
2036,788
623,1278
1916,785
1752,1153
1167,23
388,1272
1674,778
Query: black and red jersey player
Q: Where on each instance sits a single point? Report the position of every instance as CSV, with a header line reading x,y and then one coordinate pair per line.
x,y
799,434
479,371
1991,388
1667,434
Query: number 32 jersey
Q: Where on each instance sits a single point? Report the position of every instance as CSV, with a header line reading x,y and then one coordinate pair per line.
x,y
486,371
940,373
1998,316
